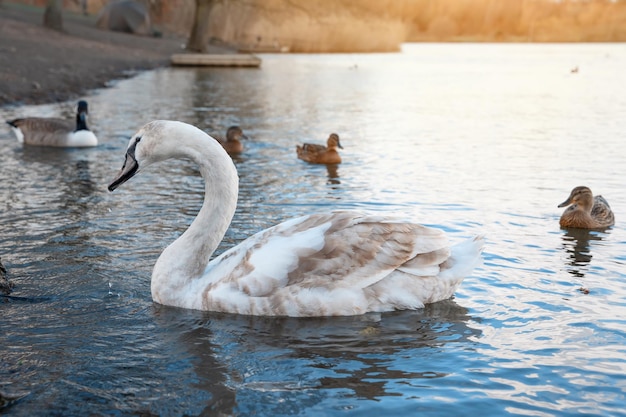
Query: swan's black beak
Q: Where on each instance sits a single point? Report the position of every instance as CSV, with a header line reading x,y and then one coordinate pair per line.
x,y
129,169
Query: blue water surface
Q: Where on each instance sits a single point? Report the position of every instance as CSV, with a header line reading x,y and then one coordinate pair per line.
x,y
470,138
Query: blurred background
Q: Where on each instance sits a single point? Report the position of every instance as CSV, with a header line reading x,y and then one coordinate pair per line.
x,y
381,25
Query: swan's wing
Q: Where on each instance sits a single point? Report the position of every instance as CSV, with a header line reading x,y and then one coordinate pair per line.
x,y
334,250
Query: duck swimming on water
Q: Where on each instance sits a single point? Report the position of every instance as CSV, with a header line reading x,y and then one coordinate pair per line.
x,y
232,142
586,211
47,131
320,154
324,264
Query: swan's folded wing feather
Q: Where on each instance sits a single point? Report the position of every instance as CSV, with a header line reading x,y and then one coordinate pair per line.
x,y
426,264
335,250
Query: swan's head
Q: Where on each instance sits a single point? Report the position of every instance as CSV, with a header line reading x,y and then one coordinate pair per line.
x,y
157,141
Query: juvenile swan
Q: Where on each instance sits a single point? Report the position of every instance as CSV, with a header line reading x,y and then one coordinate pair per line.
x,y
586,211
332,264
47,131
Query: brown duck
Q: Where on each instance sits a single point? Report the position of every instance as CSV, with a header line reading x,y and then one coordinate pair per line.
x,y
232,142
320,154
586,211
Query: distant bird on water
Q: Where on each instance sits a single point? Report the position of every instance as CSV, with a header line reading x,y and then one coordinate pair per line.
x,y
47,131
232,142
586,211
320,154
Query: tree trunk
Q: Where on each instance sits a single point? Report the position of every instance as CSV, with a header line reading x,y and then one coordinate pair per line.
x,y
53,15
199,32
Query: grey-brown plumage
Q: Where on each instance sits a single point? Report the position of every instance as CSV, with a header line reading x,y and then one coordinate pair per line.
x,y
49,131
586,211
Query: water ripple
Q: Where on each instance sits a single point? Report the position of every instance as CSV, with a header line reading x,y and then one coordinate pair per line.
x,y
538,329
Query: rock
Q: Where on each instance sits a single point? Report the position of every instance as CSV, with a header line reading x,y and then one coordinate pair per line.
x,y
5,285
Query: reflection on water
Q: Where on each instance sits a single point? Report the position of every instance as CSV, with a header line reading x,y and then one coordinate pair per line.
x,y
363,357
486,156
576,244
333,174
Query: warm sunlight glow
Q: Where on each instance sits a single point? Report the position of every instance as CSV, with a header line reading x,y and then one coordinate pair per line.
x,y
368,25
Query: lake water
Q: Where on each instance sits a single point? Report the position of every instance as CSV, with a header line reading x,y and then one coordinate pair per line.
x,y
474,139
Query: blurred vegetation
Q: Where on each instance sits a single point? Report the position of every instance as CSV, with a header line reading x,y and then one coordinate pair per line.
x,y
519,20
382,25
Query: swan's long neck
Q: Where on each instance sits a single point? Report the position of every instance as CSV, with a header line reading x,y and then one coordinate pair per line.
x,y
186,258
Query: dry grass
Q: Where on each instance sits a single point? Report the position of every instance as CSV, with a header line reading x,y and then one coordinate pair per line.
x,y
310,26
382,25
370,25
521,20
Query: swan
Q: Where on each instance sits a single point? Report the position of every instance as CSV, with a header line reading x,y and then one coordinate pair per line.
x,y
47,131
330,264
320,154
586,211
232,143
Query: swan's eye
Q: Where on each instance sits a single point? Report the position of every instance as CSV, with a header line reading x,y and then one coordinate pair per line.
x,y
137,139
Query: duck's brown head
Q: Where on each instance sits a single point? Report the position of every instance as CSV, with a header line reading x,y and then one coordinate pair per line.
x,y
333,141
235,133
580,196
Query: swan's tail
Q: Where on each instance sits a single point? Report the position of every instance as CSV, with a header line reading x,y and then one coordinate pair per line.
x,y
408,290
464,258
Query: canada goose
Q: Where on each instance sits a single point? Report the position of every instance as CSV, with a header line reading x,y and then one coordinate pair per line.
x,y
46,131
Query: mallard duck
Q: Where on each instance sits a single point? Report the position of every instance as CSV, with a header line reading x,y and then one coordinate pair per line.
x,y
586,211
46,131
232,143
320,154
326,264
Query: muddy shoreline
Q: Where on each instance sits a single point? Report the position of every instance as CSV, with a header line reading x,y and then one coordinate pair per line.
x,y
40,65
